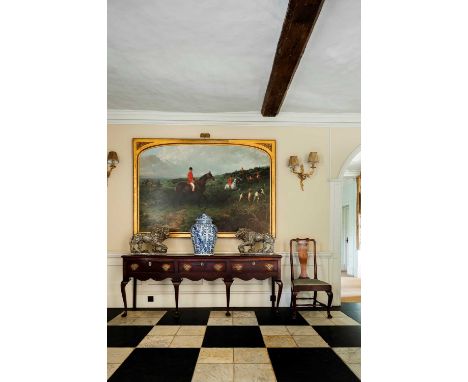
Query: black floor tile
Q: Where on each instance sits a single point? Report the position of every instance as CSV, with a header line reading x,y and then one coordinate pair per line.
x,y
353,314
186,317
318,307
126,336
233,336
152,364
340,336
352,310
309,364
355,306
113,312
266,316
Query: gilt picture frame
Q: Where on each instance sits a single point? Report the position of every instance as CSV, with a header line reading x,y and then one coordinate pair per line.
x,y
231,180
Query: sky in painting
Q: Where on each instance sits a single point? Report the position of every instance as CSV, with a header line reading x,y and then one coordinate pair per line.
x,y
173,161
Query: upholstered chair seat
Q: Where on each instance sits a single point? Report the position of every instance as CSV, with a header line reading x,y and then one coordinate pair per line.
x,y
312,282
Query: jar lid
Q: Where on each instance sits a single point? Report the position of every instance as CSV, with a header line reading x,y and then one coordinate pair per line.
x,y
204,218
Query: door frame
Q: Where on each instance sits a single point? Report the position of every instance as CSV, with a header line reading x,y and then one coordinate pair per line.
x,y
344,235
336,200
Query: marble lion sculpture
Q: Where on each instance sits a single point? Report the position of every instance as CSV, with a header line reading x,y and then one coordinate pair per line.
x,y
250,238
153,239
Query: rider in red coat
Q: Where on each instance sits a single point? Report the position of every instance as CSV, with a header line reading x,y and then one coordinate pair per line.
x,y
191,179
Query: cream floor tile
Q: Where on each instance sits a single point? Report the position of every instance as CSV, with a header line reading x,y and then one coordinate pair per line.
x,y
349,355
322,314
246,321
187,342
216,355
254,373
164,330
279,341
218,313
192,330
156,342
118,355
220,321
244,314
274,330
344,321
310,342
146,313
145,321
251,355
149,321
213,372
337,314
356,368
111,368
301,330
320,321
313,313
121,321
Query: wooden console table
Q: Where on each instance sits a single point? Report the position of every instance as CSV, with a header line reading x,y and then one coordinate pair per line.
x,y
197,267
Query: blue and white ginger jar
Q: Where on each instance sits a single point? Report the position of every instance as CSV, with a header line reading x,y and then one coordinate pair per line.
x,y
203,235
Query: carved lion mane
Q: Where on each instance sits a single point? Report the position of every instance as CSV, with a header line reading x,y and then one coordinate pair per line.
x,y
154,240
250,238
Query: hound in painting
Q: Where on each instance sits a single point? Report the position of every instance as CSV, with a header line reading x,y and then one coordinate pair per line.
x,y
259,193
246,194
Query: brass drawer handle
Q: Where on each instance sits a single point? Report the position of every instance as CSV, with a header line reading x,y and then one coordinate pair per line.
x,y
134,267
269,267
218,267
253,262
237,267
201,264
166,267
149,263
187,267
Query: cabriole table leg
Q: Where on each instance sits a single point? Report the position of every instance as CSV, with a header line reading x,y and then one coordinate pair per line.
x,y
176,283
134,292
280,289
273,295
123,284
228,284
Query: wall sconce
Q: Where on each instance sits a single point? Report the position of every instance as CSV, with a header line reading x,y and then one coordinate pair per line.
x,y
313,159
112,161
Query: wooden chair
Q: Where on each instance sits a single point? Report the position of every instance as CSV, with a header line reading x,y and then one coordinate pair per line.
x,y
303,283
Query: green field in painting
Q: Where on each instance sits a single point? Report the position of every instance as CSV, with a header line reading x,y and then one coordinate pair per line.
x,y
160,204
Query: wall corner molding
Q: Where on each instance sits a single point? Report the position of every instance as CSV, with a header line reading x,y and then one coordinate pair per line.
x,y
148,117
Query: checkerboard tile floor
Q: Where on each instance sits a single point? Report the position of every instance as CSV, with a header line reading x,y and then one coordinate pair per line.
x,y
254,344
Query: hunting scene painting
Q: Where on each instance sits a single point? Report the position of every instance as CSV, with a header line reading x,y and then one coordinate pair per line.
x,y
232,181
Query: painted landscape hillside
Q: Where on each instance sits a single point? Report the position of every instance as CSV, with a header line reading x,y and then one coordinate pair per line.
x,y
233,200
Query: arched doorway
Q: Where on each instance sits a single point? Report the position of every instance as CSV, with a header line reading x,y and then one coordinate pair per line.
x,y
350,175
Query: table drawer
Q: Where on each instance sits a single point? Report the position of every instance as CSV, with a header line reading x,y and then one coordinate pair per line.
x,y
254,266
138,265
210,266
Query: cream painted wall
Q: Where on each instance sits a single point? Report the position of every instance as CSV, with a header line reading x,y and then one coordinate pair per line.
x,y
299,213
344,141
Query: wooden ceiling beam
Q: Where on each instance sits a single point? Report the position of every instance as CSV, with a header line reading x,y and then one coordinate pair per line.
x,y
297,28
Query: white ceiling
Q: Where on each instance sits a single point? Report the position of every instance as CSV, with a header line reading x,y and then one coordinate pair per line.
x,y
209,56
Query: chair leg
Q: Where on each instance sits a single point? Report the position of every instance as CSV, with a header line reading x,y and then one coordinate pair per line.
x,y
330,299
294,303
315,299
